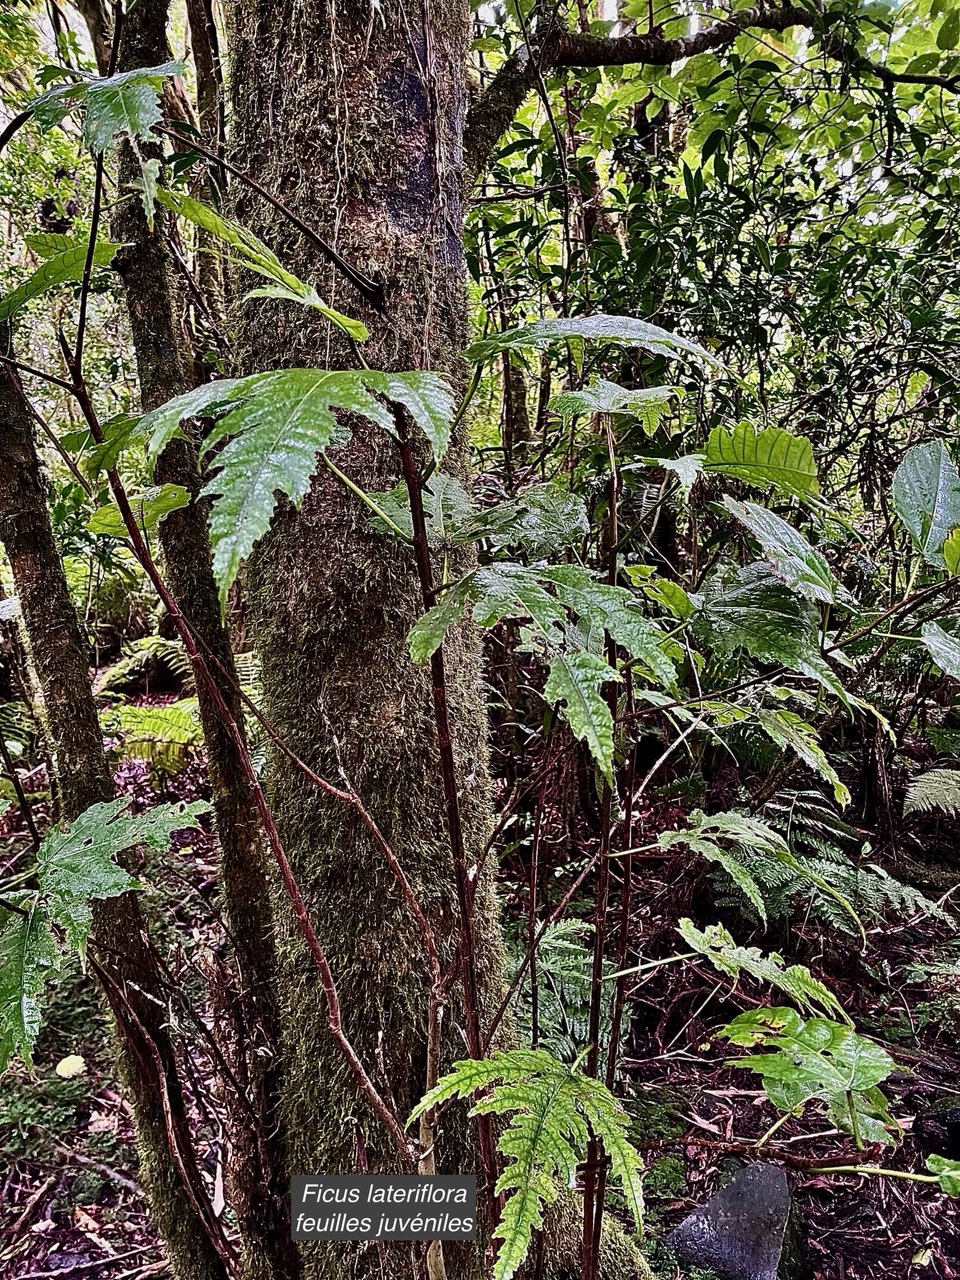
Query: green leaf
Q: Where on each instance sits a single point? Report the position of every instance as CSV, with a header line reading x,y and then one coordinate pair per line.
x,y
948,1173
47,244
926,497
253,254
553,1109
599,328
149,508
543,519
277,424
28,959
763,458
721,835
951,550
792,558
446,509
61,268
935,789
796,980
787,729
576,680
128,102
649,404
943,647
77,865
614,609
948,36
817,1059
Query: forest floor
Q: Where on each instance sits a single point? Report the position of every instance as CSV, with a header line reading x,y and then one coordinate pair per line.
x,y
71,1205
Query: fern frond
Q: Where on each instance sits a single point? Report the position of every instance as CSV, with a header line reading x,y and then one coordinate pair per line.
x,y
935,789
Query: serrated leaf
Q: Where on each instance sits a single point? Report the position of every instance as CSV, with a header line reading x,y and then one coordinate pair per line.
x,y
791,556
28,959
576,681
552,1109
599,328
926,497
649,404
543,519
817,1059
796,980
79,864
277,424
128,102
149,508
787,729
446,509
724,833
63,267
765,458
614,609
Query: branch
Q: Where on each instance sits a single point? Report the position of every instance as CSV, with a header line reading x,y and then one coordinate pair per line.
x,y
492,113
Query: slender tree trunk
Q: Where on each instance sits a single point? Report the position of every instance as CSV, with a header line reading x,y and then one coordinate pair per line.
x,y
124,958
256,1169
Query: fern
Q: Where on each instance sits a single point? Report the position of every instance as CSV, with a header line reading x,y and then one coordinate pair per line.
x,y
553,1110
738,843
165,736
796,981
139,656
564,985
935,789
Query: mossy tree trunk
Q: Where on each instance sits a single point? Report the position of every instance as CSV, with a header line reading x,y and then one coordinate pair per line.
x,y
122,953
353,116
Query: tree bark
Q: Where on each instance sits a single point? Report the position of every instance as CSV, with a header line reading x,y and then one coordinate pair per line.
x,y
256,1168
355,121
125,960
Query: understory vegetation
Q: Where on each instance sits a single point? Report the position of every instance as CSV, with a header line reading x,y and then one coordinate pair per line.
x,y
561,637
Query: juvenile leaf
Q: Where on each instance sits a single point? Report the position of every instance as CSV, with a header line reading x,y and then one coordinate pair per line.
x,y
149,508
601,328
576,680
763,458
79,864
128,102
28,959
649,404
446,509
817,1059
278,423
796,980
253,254
550,1106
614,609
59,268
787,729
926,497
794,561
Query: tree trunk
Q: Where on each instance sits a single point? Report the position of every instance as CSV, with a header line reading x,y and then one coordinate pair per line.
x,y
355,121
125,961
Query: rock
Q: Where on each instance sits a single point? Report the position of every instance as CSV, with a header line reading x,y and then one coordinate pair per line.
x,y
741,1233
939,1131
